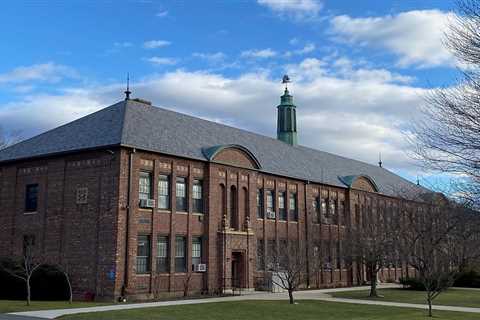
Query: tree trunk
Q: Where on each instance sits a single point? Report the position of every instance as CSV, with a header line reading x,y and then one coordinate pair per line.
x,y
373,284
429,301
28,292
70,297
290,296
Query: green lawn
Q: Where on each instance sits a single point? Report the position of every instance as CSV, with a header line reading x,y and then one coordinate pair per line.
x,y
18,305
452,297
274,310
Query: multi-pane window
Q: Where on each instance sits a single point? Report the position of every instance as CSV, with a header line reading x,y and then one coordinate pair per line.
x,y
143,254
323,210
316,209
259,203
145,186
270,205
282,212
163,264
342,216
271,253
196,250
333,211
180,254
260,255
164,192
197,195
181,194
293,207
31,198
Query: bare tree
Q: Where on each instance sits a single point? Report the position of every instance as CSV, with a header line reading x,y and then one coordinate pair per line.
x,y
372,239
430,242
8,138
447,138
186,283
288,267
24,269
64,269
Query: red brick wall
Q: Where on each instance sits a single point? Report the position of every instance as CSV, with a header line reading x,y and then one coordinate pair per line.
x,y
81,236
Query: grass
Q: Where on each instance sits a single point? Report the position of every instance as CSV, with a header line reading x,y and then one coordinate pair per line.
x,y
7,306
273,310
452,297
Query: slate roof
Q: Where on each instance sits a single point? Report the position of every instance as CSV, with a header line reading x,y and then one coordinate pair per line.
x,y
135,124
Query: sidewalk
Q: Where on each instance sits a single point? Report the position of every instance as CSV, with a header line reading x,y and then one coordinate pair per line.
x,y
321,295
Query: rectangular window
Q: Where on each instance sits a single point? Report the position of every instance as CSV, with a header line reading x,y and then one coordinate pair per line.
x,y
333,211
316,209
260,255
282,212
196,250
180,256
293,207
323,210
163,264
31,198
143,254
197,195
145,186
270,205
164,192
260,204
181,194
272,253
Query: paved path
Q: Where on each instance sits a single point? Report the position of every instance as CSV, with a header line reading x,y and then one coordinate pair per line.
x,y
322,295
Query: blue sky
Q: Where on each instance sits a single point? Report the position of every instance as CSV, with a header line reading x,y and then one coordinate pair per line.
x,y
359,68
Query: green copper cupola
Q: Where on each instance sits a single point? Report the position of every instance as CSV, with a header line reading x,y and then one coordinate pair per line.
x,y
287,117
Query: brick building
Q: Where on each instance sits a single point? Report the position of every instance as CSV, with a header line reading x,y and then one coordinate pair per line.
x,y
137,200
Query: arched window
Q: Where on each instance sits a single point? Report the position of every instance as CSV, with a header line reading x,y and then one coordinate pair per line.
x,y
246,211
223,200
233,208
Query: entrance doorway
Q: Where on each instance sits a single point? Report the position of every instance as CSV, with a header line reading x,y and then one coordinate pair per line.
x,y
238,270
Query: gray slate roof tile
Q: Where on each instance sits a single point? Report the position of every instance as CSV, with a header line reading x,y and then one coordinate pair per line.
x,y
135,124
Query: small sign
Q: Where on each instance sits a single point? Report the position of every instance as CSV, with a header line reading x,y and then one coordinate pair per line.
x,y
111,275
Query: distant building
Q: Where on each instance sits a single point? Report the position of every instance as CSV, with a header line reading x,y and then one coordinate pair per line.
x,y
134,198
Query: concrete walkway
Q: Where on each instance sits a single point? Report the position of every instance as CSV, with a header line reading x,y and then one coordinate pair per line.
x,y
322,295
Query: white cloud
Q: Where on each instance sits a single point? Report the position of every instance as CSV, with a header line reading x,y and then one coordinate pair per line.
x,y
342,108
162,61
414,36
153,44
48,72
308,48
210,57
162,13
261,54
295,8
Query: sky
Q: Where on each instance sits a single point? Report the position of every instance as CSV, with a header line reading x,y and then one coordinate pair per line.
x,y
360,69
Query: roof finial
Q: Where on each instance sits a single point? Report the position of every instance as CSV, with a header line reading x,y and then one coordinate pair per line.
x,y
418,181
286,80
128,92
380,163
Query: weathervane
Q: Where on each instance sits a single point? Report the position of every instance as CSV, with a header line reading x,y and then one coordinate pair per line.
x,y
128,92
286,80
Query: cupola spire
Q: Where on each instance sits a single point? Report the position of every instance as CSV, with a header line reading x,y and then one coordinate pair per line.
x,y
287,116
128,92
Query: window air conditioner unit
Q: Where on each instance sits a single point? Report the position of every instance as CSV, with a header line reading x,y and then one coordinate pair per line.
x,y
201,267
147,203
271,214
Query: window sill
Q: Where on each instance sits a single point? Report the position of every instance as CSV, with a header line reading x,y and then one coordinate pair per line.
x,y
30,213
293,221
164,211
144,274
284,221
181,212
198,213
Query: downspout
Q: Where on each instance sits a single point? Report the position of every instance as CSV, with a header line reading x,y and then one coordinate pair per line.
x,y
306,233
127,224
